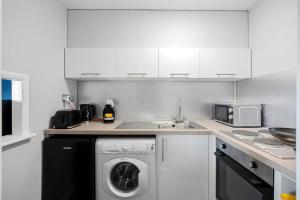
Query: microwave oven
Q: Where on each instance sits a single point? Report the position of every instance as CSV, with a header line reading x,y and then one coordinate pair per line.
x,y
239,115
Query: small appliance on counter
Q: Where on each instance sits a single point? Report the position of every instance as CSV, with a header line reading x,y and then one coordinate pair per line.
x,y
65,119
109,112
239,115
88,112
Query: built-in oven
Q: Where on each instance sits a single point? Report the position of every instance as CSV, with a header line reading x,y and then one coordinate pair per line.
x,y
241,177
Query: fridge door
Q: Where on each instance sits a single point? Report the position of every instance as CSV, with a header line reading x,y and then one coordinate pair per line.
x,y
68,168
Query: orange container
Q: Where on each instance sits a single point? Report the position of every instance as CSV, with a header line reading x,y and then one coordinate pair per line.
x,y
288,197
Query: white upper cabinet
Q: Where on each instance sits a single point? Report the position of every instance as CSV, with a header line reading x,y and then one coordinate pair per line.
x,y
184,63
137,63
225,63
179,63
90,63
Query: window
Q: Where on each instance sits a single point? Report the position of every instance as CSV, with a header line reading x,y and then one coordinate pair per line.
x,y
11,107
14,108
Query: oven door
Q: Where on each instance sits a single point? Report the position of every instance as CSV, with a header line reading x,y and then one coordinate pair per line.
x,y
234,182
222,113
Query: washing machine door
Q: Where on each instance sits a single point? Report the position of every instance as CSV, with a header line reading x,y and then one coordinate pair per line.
x,y
125,178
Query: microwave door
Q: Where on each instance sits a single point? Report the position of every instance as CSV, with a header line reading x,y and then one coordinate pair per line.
x,y
222,113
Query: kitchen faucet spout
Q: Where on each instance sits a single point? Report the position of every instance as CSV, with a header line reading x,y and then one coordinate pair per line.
x,y
179,118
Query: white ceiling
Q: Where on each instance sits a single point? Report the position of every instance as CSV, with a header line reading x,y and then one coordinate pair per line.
x,y
161,4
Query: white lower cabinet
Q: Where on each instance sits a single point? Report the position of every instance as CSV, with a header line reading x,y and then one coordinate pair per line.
x,y
183,172
225,63
90,63
283,185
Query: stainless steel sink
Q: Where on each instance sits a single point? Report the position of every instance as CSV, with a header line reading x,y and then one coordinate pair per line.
x,y
137,125
170,124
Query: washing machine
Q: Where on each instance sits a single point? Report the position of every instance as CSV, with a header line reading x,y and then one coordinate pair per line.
x,y
125,169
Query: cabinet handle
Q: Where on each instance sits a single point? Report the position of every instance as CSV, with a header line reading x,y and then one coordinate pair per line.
x,y
232,74
179,74
137,74
163,147
90,74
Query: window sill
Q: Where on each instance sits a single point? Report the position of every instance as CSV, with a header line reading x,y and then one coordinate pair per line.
x,y
13,139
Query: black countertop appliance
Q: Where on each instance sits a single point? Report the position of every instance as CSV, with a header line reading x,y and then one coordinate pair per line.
x,y
64,119
88,112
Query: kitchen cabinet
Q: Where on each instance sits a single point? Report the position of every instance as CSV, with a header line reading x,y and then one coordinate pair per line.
x,y
172,63
90,63
183,167
179,63
225,63
283,185
137,63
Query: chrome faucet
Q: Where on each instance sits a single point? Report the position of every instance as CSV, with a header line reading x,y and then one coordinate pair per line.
x,y
179,118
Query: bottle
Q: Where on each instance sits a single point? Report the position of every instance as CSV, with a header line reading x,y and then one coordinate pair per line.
x,y
109,112
288,196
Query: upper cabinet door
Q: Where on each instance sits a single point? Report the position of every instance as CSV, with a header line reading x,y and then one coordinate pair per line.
x,y
179,63
90,63
225,63
137,63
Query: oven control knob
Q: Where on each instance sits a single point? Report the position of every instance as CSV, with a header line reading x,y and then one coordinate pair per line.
x,y
223,146
230,110
230,116
253,165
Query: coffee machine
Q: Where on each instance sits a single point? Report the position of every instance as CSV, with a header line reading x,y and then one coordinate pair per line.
x,y
108,111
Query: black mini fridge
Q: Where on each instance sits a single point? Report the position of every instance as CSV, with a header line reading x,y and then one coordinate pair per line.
x,y
68,171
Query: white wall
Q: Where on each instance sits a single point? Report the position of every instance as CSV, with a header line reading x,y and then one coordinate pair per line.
x,y
273,39
278,93
273,36
298,108
117,28
34,38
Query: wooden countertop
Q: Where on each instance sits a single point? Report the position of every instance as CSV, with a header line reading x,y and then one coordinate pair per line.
x,y
98,128
287,167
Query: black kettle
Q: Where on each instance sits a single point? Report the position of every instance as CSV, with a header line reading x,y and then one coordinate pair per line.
x,y
87,111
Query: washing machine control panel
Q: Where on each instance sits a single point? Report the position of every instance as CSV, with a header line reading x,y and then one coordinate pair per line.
x,y
126,146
